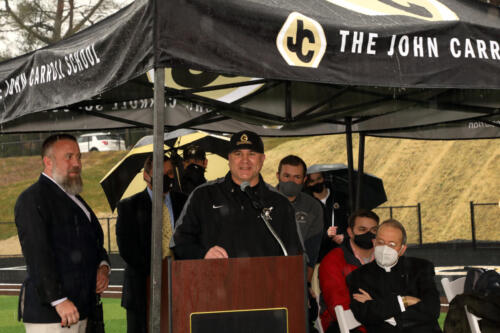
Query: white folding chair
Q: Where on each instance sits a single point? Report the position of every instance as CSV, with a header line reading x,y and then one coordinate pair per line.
x,y
346,319
317,322
317,290
456,287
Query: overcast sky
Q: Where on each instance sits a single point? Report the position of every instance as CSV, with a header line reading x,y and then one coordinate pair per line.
x,y
8,40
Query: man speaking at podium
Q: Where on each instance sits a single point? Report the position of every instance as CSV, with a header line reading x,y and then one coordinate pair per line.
x,y
238,215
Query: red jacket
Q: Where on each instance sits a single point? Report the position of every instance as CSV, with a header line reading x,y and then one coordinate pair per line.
x,y
334,268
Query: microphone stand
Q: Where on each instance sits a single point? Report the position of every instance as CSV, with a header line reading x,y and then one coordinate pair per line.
x,y
266,217
265,213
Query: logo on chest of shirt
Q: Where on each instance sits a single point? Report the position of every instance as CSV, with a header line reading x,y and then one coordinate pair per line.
x,y
301,217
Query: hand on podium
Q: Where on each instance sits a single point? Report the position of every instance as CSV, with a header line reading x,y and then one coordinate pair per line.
x,y
216,252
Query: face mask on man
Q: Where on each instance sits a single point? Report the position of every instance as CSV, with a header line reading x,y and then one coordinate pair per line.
x,y
290,189
316,188
386,257
168,183
364,241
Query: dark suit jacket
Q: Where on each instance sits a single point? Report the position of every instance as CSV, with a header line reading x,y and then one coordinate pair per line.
x,y
133,235
62,249
410,277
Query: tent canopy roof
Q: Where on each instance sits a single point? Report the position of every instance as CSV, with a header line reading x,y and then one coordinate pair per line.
x,y
428,68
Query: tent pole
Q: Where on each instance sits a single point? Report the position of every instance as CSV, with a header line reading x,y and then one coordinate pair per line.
x,y
288,101
156,234
361,162
350,170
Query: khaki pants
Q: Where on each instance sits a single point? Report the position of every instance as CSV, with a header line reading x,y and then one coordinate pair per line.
x,y
56,328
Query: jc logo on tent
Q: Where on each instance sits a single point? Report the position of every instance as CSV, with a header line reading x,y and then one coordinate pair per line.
x,y
182,78
428,10
301,41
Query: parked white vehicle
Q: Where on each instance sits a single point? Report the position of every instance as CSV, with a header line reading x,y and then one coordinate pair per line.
x,y
100,142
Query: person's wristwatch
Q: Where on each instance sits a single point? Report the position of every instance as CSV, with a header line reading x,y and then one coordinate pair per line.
x,y
405,301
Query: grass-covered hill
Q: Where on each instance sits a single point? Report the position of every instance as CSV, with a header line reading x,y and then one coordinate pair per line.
x,y
444,176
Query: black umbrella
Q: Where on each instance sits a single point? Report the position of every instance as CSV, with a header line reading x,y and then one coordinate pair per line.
x,y
121,175
337,175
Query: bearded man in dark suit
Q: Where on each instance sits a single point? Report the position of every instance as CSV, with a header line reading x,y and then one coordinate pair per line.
x,y
395,293
62,243
133,235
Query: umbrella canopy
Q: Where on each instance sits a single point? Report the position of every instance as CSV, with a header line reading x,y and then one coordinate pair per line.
x,y
125,178
337,175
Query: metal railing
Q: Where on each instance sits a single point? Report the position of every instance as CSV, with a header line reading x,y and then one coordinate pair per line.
x,y
473,218
30,144
9,228
418,211
109,234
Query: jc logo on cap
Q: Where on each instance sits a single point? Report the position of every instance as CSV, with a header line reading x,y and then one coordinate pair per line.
x,y
301,41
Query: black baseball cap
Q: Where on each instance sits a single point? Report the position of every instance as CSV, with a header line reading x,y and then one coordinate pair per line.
x,y
246,140
194,152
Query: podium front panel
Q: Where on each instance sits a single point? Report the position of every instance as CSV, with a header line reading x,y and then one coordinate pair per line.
x,y
239,288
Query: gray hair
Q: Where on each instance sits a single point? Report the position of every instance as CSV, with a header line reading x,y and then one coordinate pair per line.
x,y
396,225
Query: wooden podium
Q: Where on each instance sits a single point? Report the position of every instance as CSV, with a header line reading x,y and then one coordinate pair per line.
x,y
242,295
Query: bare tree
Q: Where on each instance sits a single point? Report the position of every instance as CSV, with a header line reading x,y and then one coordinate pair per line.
x,y
41,22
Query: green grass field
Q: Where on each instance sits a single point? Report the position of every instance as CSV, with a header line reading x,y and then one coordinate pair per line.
x,y
114,316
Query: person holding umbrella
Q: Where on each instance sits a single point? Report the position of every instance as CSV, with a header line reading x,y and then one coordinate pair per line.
x,y
133,235
195,164
335,210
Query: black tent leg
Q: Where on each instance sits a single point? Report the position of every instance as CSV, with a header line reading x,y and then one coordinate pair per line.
x,y
350,170
361,165
288,101
156,234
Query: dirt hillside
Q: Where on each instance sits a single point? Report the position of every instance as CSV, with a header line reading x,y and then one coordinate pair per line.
x,y
443,176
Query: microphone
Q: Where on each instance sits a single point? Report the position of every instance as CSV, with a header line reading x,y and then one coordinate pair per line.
x,y
256,203
265,213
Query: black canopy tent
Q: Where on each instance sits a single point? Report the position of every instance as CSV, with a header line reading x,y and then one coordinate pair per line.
x,y
328,66
451,46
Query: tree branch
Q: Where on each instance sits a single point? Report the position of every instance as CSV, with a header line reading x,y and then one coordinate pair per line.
x,y
21,24
56,35
84,20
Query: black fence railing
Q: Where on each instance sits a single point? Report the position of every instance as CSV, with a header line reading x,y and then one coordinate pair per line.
x,y
413,225
31,144
109,233
8,229
473,212
418,214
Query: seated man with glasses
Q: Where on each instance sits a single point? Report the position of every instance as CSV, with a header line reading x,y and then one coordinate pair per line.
x,y
394,293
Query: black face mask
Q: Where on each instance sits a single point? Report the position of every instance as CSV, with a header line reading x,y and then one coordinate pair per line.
x,y
316,188
168,183
364,241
